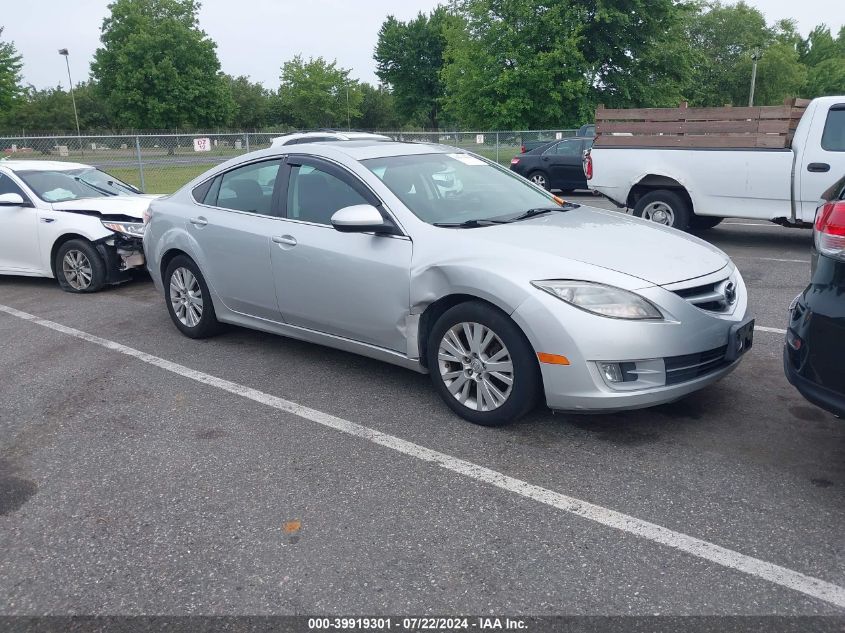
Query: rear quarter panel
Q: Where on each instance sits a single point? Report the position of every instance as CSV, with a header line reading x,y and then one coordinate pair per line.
x,y
726,183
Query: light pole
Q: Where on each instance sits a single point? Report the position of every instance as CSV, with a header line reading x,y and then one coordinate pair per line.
x,y
64,53
755,57
348,124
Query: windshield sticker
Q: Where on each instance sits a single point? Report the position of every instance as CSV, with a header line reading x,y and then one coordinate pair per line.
x,y
56,195
467,159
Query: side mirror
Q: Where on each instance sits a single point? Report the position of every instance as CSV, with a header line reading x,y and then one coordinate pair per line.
x,y
361,218
11,200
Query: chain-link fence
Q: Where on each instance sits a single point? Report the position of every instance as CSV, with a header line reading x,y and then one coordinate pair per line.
x,y
161,163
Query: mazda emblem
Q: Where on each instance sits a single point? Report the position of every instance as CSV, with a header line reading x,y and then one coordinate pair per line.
x,y
730,293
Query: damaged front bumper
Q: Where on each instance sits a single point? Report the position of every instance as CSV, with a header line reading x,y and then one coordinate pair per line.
x,y
122,254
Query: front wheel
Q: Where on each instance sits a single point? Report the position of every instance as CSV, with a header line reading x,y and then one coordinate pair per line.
x,y
188,299
664,207
79,267
482,365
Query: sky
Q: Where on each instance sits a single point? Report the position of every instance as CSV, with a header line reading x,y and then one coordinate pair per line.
x,y
254,37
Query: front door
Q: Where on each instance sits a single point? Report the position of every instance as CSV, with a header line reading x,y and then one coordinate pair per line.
x,y
823,160
566,164
232,225
19,248
353,285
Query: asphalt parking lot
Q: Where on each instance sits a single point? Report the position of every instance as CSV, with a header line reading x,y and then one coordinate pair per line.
x,y
138,484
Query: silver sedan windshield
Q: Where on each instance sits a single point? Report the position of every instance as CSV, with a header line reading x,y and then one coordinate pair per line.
x,y
456,188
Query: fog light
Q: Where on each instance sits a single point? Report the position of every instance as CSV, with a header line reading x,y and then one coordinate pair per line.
x,y
793,340
612,372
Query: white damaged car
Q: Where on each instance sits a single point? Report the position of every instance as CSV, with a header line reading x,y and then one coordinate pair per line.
x,y
69,221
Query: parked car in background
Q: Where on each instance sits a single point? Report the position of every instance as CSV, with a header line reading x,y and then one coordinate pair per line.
x,y
556,166
500,292
322,136
689,187
69,221
814,353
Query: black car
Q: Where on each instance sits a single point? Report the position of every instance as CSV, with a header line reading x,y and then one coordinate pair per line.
x,y
814,354
557,165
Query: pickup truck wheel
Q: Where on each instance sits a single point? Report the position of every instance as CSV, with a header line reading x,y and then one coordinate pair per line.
x,y
540,178
664,207
79,267
702,223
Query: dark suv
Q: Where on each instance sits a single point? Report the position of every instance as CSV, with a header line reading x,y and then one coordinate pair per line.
x,y
814,354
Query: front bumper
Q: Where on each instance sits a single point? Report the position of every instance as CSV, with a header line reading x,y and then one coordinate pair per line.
x,y
121,254
693,349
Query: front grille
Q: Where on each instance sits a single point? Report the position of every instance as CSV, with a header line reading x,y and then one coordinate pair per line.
x,y
691,366
709,297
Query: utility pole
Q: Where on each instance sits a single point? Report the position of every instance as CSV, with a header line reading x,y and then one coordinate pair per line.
x,y
755,57
64,52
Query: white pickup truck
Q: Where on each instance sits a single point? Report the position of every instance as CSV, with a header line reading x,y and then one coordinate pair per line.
x,y
695,188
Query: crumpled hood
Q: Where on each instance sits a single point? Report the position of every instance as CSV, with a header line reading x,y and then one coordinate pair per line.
x,y
133,206
609,239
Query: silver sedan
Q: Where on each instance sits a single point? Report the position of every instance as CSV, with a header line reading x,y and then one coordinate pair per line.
x,y
440,261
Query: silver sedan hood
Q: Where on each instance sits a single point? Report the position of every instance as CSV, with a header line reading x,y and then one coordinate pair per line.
x,y
608,239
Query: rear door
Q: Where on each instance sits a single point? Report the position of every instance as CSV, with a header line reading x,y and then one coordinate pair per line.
x,y
565,160
235,216
823,158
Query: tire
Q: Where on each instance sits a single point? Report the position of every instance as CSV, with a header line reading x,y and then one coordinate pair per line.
x,y
188,299
471,374
541,179
704,222
664,207
79,267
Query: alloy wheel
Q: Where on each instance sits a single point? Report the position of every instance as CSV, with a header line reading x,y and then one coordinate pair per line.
x,y
186,297
539,180
77,270
475,366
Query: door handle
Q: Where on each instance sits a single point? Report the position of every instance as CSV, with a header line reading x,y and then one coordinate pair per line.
x,y
287,240
818,167
200,221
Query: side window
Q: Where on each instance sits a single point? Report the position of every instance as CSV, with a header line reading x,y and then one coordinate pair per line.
x,y
314,195
570,147
248,188
833,137
8,186
550,151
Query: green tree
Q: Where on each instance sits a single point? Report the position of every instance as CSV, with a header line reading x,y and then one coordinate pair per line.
x,y
824,57
378,109
10,75
314,93
157,69
51,110
514,64
252,103
724,38
409,58
636,52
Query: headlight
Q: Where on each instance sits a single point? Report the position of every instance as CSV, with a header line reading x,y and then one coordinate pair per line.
x,y
132,229
600,299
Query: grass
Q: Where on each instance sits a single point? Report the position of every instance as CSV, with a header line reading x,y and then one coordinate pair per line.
x,y
160,178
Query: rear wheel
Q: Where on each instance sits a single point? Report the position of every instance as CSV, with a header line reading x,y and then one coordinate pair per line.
x,y
664,207
188,299
79,267
540,179
482,365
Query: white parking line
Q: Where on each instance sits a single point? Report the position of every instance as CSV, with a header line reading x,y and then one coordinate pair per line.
x,y
771,259
771,330
814,587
